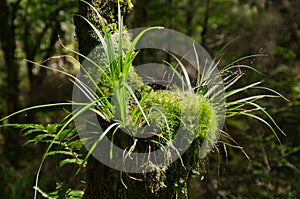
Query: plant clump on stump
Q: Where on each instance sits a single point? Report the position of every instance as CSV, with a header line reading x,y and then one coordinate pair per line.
x,y
168,111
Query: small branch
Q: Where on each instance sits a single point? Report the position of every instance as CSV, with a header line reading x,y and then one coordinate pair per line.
x,y
265,158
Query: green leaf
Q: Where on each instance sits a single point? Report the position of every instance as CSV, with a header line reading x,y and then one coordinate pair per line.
x,y
52,128
75,194
68,161
60,152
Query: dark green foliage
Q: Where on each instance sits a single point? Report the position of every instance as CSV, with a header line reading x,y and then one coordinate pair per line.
x,y
67,150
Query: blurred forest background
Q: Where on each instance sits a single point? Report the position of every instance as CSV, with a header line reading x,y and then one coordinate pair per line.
x,y
34,30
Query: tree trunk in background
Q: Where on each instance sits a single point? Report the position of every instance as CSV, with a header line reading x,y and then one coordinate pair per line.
x,y
11,88
8,41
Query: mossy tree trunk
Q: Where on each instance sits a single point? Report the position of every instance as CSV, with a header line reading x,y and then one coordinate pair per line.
x,y
101,181
105,182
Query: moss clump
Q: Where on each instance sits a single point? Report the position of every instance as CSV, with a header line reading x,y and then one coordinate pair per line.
x,y
170,111
185,110
191,113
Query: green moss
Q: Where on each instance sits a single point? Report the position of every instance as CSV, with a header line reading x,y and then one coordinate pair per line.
x,y
193,112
